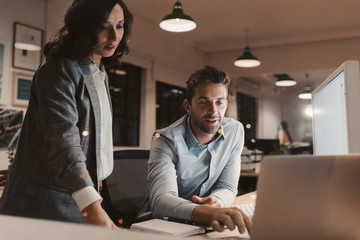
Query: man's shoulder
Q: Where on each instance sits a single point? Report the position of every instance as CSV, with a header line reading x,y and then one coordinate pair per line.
x,y
231,123
177,126
232,128
176,129
172,136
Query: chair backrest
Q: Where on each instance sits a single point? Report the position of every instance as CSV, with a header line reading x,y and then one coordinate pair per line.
x,y
125,189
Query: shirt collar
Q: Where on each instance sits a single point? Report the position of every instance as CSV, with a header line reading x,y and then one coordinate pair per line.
x,y
190,138
96,71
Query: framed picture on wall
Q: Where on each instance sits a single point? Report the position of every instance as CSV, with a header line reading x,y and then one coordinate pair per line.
x,y
21,89
4,69
27,47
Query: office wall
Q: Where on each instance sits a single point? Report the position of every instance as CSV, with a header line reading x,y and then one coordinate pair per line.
x,y
24,11
31,13
162,56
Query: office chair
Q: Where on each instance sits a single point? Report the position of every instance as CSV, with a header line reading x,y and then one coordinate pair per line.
x,y
124,190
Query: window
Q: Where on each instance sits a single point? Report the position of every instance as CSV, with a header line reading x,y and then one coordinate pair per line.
x,y
247,115
169,104
125,87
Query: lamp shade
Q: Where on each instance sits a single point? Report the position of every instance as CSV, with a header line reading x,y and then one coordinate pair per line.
x,y
247,60
306,94
177,21
284,80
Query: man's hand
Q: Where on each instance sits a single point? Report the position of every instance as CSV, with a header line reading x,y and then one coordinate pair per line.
x,y
219,218
210,200
94,214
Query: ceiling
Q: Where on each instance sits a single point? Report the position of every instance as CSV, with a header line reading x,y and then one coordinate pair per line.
x,y
222,24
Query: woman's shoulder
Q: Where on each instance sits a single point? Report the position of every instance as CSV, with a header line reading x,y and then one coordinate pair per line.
x,y
65,65
55,62
64,69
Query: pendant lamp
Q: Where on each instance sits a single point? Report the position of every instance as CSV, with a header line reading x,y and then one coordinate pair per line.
x,y
306,94
247,60
284,80
177,21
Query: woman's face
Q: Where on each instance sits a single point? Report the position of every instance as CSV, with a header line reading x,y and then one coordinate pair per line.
x,y
110,34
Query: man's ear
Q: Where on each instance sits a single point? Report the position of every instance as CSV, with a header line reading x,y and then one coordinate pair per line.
x,y
187,106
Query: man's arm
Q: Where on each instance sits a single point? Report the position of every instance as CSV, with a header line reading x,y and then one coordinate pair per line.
x,y
226,186
162,183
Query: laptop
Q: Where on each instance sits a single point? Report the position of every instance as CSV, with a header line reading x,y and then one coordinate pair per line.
x,y
308,197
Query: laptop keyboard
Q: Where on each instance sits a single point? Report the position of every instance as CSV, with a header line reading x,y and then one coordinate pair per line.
x,y
248,209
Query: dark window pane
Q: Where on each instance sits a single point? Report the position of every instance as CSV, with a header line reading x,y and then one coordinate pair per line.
x,y
247,115
169,104
133,104
125,87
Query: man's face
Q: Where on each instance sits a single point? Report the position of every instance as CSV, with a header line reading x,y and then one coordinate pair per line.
x,y
207,108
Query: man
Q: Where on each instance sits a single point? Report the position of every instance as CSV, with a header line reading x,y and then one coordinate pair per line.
x,y
194,163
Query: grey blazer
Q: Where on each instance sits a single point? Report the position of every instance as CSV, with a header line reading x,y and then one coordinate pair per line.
x,y
59,146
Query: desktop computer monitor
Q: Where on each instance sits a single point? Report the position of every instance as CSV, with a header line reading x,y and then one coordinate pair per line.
x,y
336,112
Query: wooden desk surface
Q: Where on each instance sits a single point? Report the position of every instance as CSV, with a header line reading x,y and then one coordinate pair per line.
x,y
245,199
44,229
14,228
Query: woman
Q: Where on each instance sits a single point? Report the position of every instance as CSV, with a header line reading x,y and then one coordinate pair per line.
x,y
65,146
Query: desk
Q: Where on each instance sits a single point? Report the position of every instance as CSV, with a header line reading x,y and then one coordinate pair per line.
x,y
15,228
245,199
47,229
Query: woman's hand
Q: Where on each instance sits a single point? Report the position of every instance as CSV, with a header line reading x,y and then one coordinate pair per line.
x,y
94,214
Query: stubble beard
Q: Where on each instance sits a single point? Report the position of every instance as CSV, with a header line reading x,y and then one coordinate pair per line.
x,y
208,129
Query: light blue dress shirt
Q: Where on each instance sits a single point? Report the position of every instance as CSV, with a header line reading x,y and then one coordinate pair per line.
x,y
180,167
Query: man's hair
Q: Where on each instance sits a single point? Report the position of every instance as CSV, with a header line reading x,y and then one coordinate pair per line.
x,y
205,74
77,38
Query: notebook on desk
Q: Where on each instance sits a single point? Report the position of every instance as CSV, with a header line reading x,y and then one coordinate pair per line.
x,y
167,227
308,197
